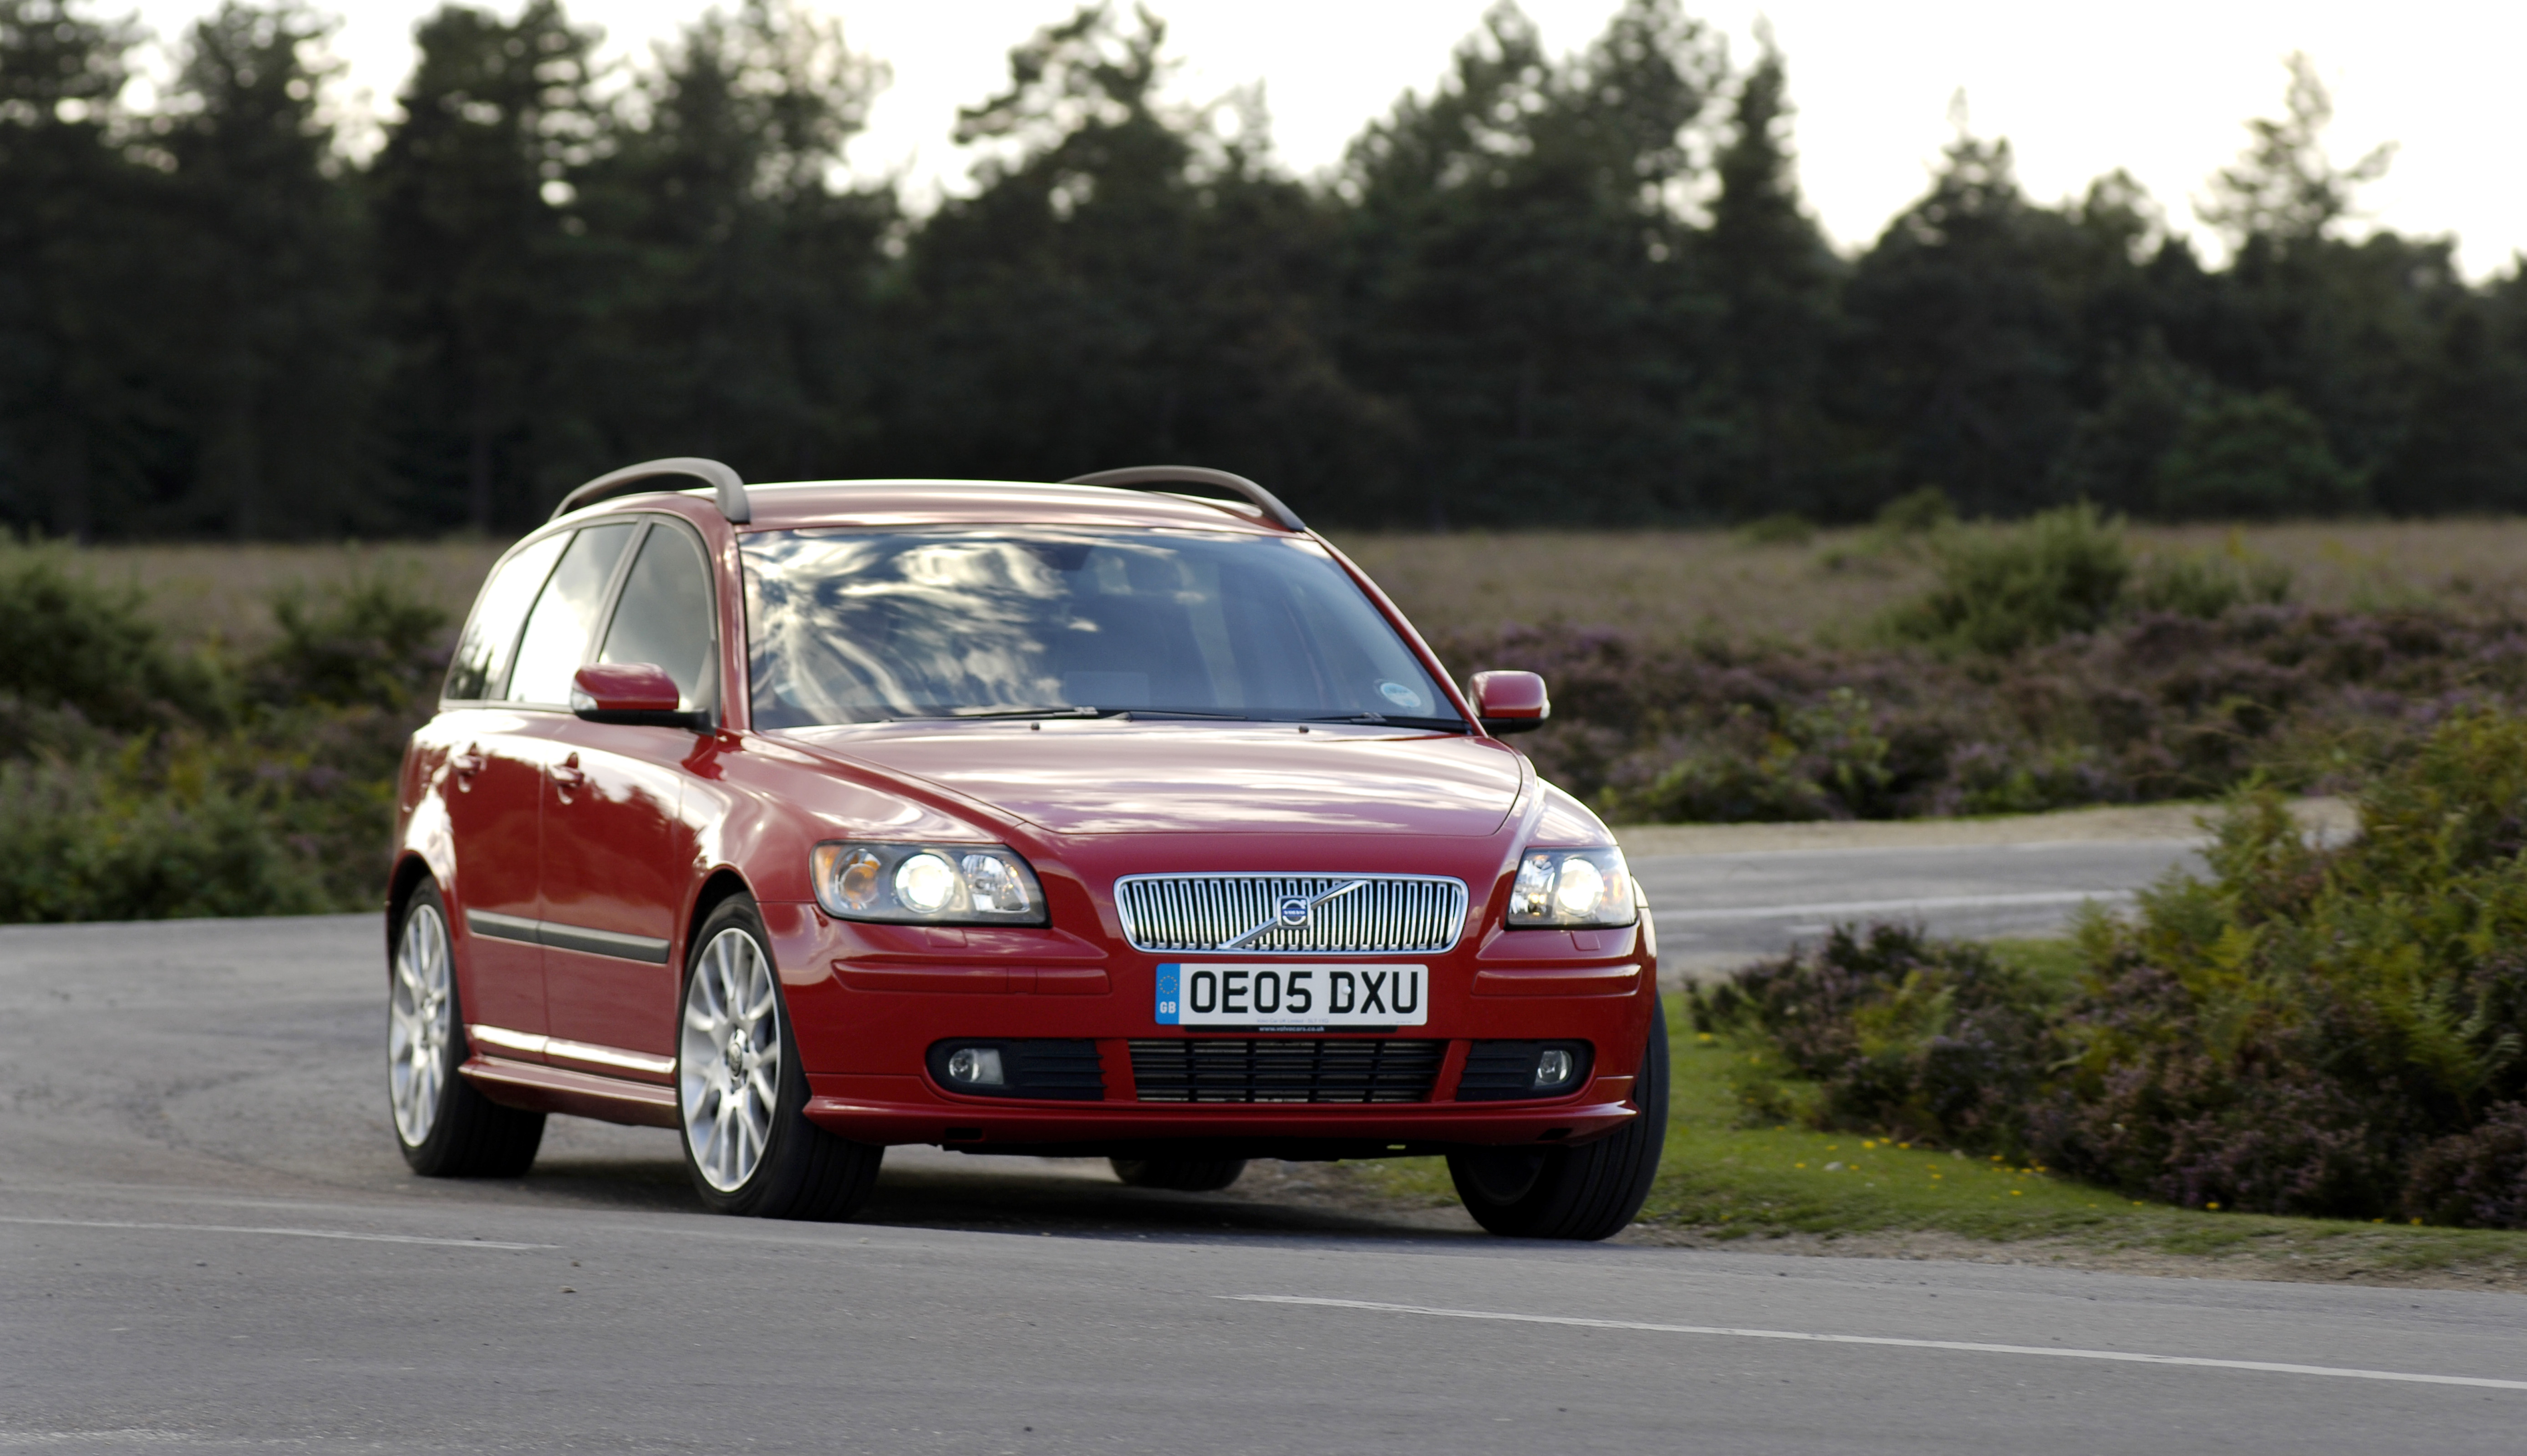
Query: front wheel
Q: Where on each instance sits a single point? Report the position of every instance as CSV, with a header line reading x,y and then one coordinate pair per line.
x,y
445,1126
1586,1192
741,1094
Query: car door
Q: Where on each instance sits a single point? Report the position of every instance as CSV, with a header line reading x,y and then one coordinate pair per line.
x,y
492,789
517,752
618,854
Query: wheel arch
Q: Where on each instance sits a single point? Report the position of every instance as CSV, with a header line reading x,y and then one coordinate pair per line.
x,y
411,871
718,887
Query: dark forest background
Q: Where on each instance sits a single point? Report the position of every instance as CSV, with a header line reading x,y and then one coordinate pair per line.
x,y
1571,290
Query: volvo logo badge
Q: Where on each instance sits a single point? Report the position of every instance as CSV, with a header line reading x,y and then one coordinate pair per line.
x,y
1291,912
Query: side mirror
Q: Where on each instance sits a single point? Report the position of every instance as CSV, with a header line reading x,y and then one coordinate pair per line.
x,y
1510,702
632,692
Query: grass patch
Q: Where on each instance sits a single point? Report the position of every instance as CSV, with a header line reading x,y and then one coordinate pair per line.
x,y
1722,1180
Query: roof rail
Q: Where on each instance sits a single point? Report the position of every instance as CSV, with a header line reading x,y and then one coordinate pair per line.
x,y
1194,475
632,481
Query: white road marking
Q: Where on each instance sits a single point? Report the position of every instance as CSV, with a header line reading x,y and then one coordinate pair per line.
x,y
1969,1347
453,1243
1882,907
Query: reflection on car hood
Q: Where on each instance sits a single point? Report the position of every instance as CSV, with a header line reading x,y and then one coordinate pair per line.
x,y
1127,777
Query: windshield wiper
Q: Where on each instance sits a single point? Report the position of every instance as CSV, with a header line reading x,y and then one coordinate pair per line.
x,y
962,714
1085,713
1389,720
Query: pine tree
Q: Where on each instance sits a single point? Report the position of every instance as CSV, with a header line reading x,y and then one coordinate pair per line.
x,y
1777,281
477,252
1516,277
84,443
1966,341
2286,188
1132,282
280,367
738,280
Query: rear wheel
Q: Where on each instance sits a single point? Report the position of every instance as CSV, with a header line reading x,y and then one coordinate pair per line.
x,y
1587,1192
445,1126
741,1095
1183,1175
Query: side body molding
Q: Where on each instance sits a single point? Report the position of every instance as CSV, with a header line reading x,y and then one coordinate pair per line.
x,y
622,947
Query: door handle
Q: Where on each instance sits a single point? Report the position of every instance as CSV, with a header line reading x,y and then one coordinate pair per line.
x,y
567,773
466,764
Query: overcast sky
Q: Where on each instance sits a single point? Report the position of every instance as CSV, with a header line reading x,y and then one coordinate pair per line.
x,y
2156,86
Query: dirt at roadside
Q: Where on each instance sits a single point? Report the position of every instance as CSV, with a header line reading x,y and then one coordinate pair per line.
x,y
2351,1259
2351,1265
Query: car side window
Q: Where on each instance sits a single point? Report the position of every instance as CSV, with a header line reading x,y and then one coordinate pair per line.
x,y
555,642
481,665
664,616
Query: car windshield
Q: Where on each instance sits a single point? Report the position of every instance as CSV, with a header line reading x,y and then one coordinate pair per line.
x,y
860,626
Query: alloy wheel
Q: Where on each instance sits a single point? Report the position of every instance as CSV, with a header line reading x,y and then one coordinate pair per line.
x,y
728,1070
421,1022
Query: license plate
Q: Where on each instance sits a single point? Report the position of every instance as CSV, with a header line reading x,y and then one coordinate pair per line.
x,y
1298,997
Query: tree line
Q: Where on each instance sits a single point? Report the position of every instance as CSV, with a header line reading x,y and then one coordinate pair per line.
x,y
1546,290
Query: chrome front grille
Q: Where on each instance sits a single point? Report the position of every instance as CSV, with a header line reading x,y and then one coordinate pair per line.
x,y
1245,914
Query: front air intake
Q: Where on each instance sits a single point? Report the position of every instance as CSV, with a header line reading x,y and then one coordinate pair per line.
x,y
1285,1069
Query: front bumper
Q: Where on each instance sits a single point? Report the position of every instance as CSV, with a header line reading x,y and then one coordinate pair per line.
x,y
1299,1131
867,1002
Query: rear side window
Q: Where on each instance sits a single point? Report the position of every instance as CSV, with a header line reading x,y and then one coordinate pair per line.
x,y
482,663
555,642
664,616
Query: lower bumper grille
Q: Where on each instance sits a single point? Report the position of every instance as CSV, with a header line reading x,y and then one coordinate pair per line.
x,y
1284,1070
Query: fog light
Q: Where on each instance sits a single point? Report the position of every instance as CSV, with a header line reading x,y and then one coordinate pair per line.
x,y
1554,1068
975,1066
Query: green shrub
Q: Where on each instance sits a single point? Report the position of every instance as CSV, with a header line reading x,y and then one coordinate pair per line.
x,y
1917,511
2333,1031
2208,585
2001,588
2156,706
1932,1041
1823,759
371,641
136,784
1782,529
91,841
2475,1178
66,642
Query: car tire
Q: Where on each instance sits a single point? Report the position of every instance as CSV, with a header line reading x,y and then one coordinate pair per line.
x,y
1181,1175
444,1124
1586,1192
741,1094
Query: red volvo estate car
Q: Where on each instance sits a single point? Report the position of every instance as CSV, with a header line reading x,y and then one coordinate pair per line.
x,y
1072,819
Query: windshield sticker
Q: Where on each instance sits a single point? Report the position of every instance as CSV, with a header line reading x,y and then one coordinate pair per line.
x,y
1400,695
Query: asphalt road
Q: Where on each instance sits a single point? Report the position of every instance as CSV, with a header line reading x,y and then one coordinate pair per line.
x,y
1719,910
206,1240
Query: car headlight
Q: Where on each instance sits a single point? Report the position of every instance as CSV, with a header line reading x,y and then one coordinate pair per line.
x,y
1574,888
941,884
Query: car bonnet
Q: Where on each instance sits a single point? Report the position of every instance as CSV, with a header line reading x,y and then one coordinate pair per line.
x,y
1148,778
